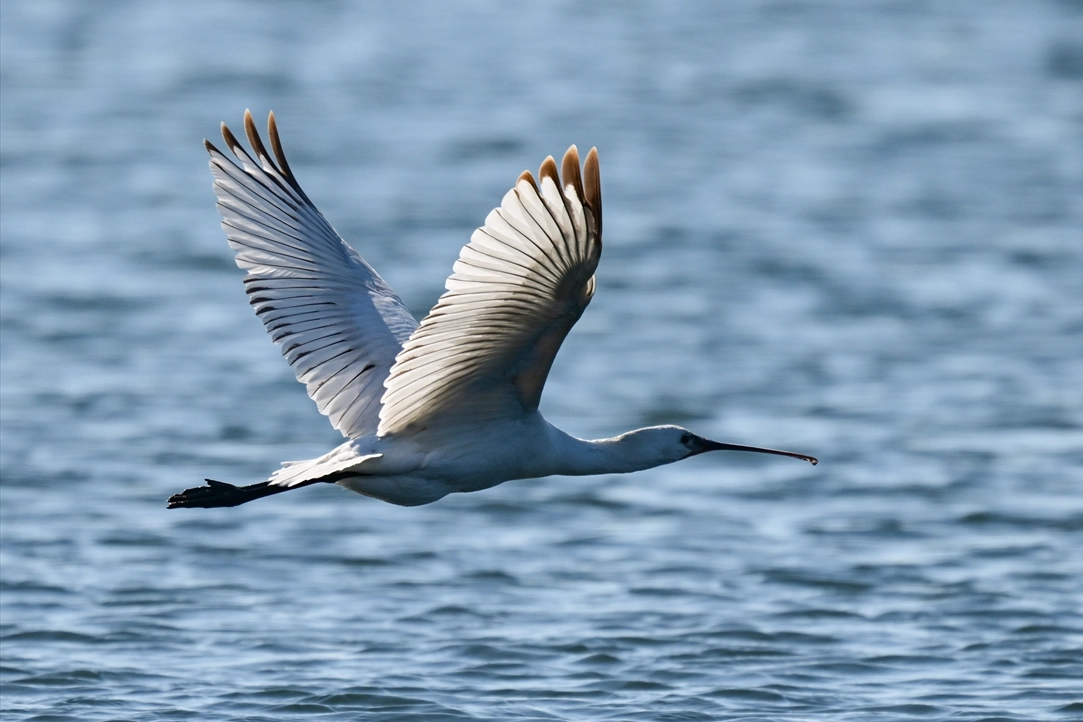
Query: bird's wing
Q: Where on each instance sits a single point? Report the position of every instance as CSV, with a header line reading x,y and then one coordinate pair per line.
x,y
519,286
338,323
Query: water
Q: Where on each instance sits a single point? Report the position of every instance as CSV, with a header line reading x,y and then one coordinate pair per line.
x,y
851,229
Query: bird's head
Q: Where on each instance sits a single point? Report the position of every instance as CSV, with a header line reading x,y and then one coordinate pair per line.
x,y
665,444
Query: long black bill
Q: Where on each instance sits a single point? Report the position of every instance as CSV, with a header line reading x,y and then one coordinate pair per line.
x,y
704,445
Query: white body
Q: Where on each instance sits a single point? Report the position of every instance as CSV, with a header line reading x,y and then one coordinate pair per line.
x,y
423,468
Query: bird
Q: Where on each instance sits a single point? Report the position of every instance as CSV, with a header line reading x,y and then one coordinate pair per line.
x,y
449,404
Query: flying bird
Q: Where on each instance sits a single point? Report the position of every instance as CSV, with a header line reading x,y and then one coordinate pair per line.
x,y
450,404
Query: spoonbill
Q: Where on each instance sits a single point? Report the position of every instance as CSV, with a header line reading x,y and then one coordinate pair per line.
x,y
450,404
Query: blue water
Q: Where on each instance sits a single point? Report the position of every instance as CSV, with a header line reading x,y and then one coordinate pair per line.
x,y
854,229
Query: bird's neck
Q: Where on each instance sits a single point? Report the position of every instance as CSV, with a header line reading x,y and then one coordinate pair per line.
x,y
581,457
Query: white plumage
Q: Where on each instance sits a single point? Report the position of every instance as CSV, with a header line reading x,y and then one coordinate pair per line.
x,y
450,404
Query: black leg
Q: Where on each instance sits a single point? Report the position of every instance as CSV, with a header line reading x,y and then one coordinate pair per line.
x,y
218,493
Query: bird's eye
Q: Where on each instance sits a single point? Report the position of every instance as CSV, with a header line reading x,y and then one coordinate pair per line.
x,y
685,438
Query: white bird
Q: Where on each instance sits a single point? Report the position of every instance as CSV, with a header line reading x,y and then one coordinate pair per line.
x,y
450,404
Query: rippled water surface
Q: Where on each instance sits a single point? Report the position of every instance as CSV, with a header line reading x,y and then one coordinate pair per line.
x,y
853,229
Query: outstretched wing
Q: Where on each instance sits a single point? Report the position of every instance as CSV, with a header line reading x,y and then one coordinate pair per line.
x,y
338,323
520,284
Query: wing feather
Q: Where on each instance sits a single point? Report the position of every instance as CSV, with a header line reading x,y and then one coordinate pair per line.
x,y
515,292
337,322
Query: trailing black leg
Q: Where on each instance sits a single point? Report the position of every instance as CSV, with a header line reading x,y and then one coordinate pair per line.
x,y
219,493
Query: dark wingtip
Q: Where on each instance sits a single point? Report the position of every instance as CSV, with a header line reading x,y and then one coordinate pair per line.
x,y
254,140
248,119
592,189
276,145
548,170
231,140
528,177
280,156
570,172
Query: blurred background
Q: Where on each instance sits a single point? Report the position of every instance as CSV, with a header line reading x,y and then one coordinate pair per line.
x,y
853,229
